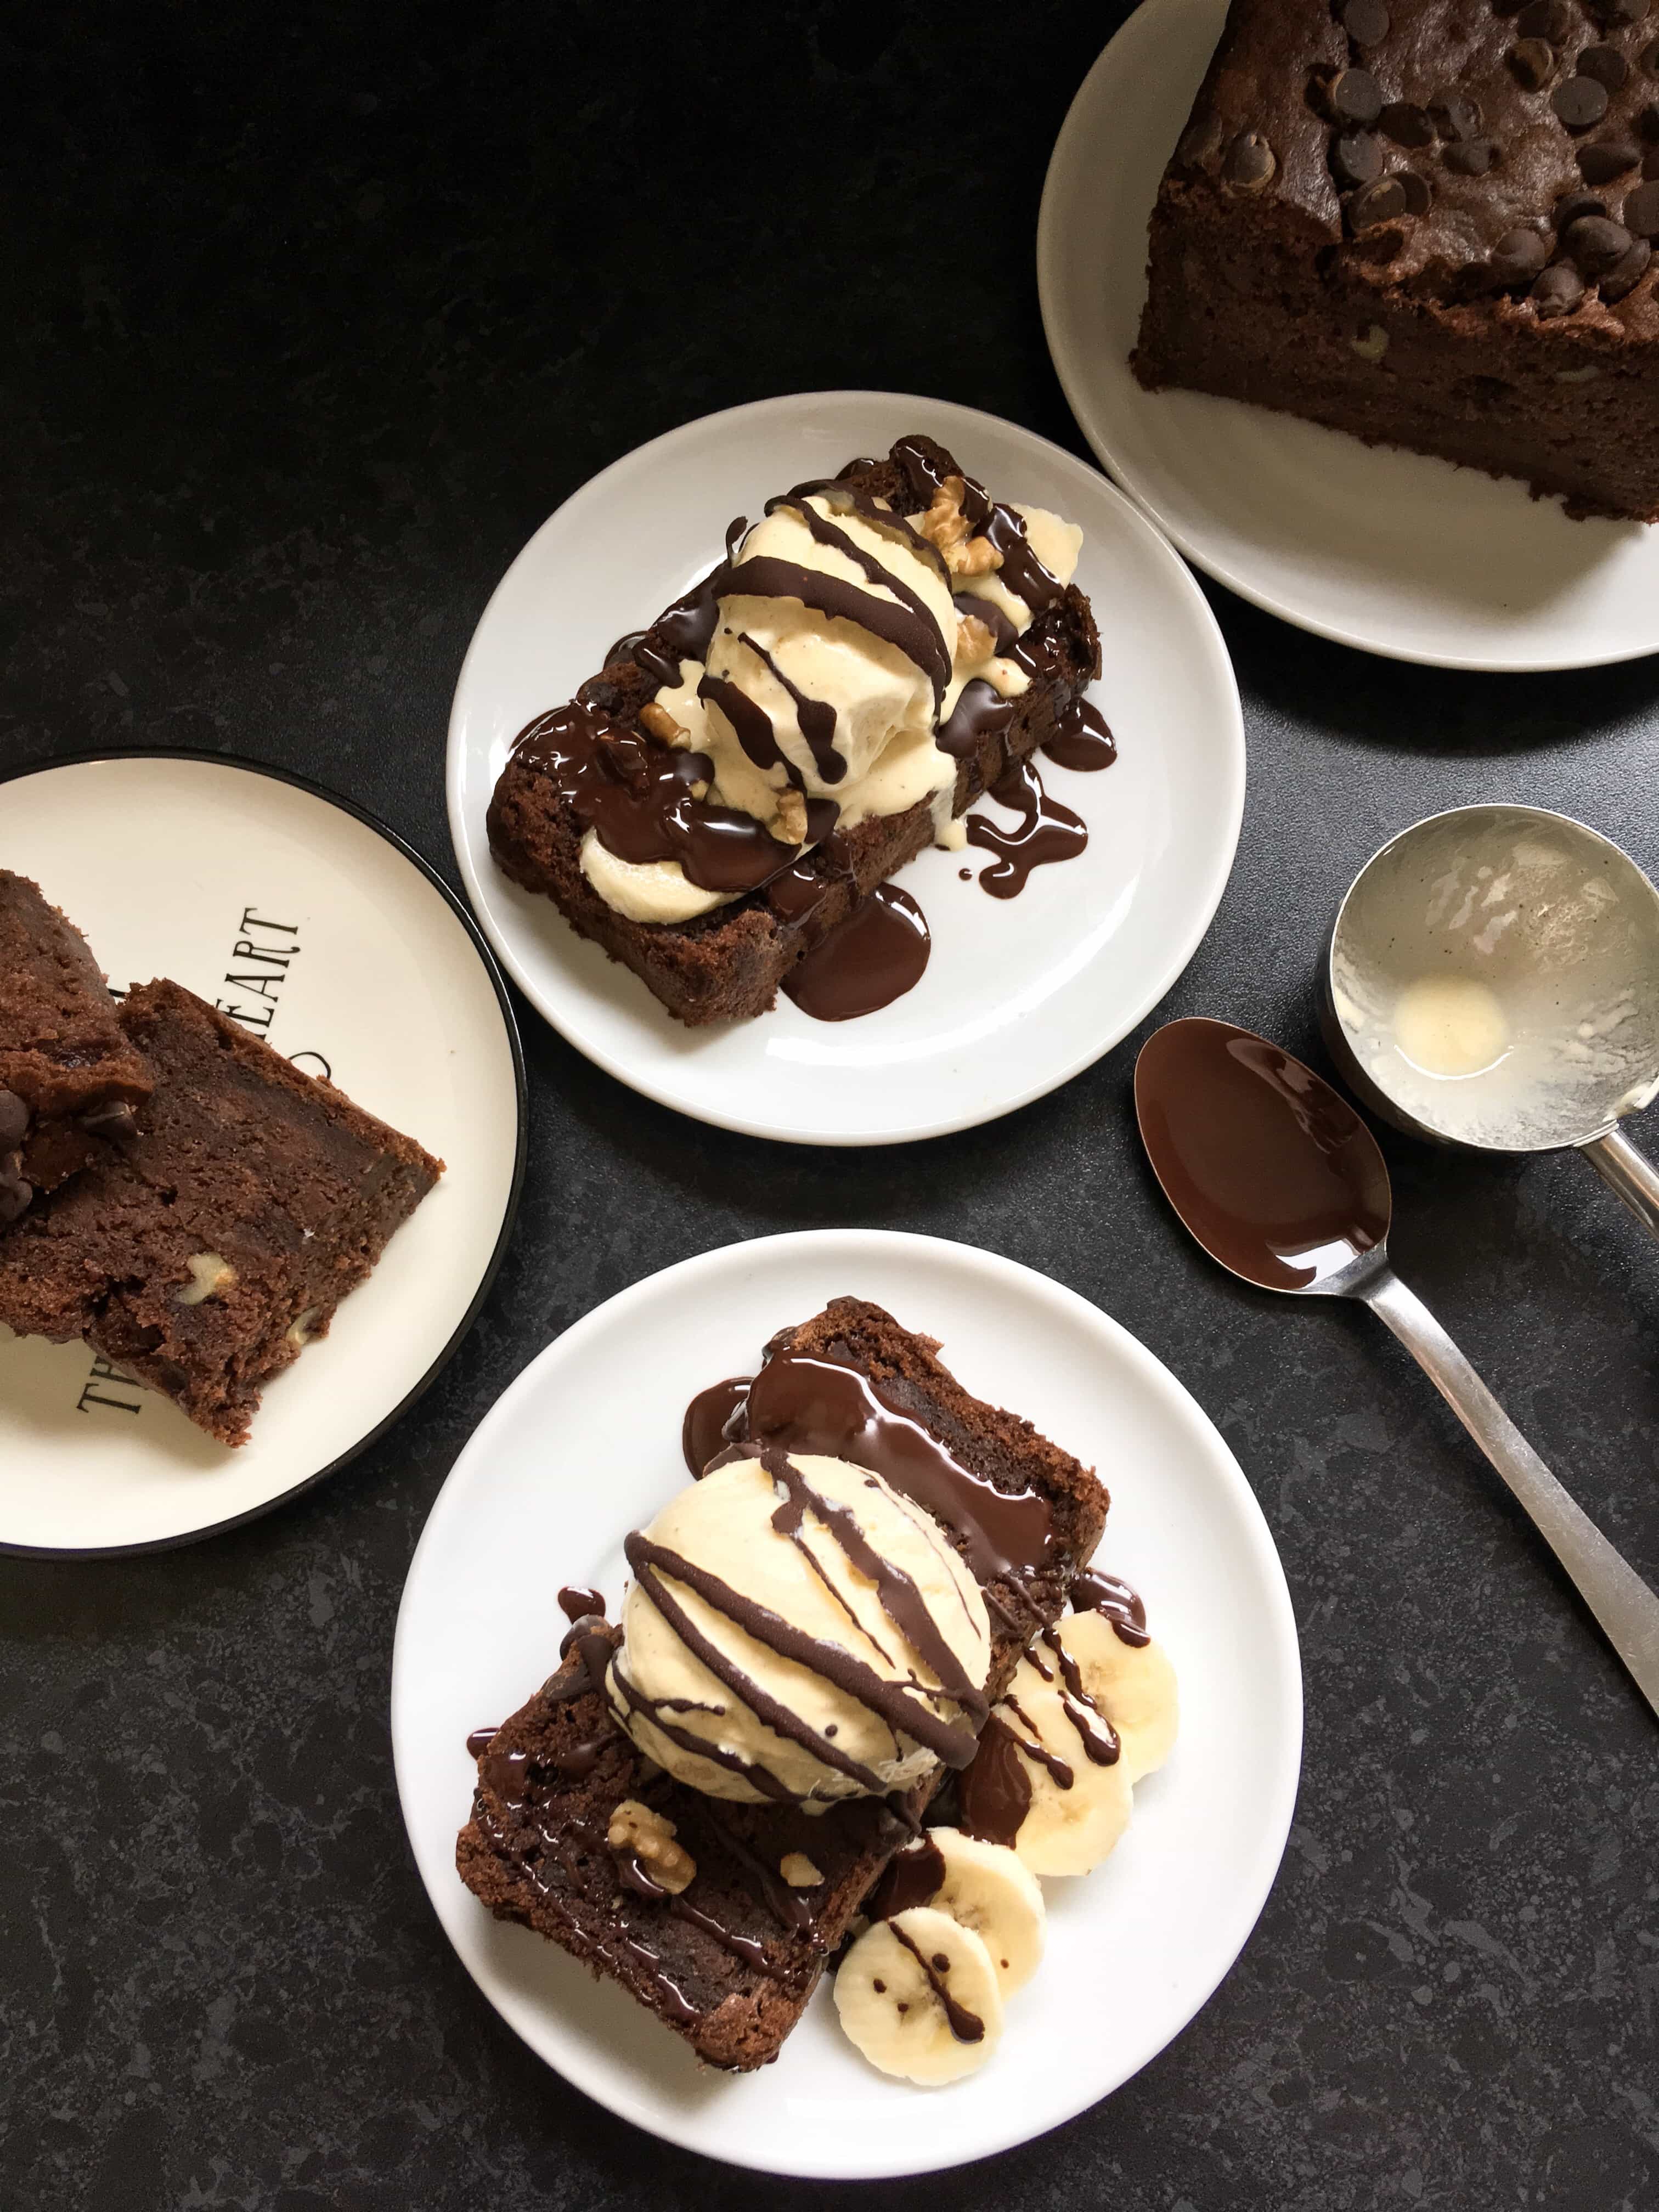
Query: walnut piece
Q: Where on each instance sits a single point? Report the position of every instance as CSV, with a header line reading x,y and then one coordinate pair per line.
x,y
208,1275
789,822
945,526
975,643
299,1331
799,1871
635,1827
657,722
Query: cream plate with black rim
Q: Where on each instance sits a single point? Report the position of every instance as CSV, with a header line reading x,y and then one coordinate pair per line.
x,y
312,925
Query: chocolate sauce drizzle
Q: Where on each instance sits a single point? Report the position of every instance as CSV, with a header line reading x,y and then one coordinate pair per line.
x,y
915,1875
815,717
702,1432
873,956
1082,741
1046,831
994,1795
1100,1742
1095,1591
904,622
981,712
639,799
813,1404
966,2027
1021,571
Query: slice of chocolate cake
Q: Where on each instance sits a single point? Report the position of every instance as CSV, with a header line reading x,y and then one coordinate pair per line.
x,y
1430,224
821,708
69,1077
202,1256
719,1916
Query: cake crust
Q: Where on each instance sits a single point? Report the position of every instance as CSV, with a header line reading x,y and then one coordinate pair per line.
x,y
535,1851
1430,225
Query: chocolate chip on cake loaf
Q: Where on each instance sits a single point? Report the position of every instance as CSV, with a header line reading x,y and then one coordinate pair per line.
x,y
853,1582
868,659
200,1257
69,1077
1428,222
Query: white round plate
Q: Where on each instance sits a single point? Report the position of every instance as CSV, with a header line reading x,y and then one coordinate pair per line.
x,y
1447,566
315,927
1019,994
1134,1948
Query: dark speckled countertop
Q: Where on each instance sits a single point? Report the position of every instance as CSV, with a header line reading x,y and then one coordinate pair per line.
x,y
314,313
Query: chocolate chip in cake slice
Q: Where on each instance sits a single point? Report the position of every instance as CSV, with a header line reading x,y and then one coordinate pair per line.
x,y
1580,102
1626,275
1648,121
1616,14
1651,163
1532,64
1650,59
1365,21
1251,165
1571,205
1419,196
1594,243
1607,159
15,1193
1356,159
1354,95
1455,116
1606,64
1518,257
1383,201
1558,291
1545,19
1642,211
1471,157
14,1119
1407,123
1199,142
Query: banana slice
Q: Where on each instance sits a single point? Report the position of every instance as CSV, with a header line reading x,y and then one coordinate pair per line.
x,y
1078,1808
918,1996
988,1888
1133,1685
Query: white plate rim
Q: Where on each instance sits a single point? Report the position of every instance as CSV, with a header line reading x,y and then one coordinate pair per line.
x,y
1070,149
1156,544
1257,1883
515,1044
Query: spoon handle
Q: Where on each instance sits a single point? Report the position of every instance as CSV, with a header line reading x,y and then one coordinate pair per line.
x,y
1627,1171
1626,1609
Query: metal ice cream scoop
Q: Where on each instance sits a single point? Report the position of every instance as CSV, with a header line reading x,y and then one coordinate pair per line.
x,y
1279,1180
1492,980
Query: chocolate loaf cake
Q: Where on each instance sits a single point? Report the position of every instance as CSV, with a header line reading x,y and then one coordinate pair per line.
x,y
606,763
69,1077
202,1255
730,1958
1427,222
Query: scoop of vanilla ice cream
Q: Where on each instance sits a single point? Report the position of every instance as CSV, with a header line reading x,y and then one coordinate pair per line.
x,y
734,1525
879,693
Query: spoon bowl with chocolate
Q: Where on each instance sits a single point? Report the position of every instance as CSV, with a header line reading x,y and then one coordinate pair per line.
x,y
1279,1180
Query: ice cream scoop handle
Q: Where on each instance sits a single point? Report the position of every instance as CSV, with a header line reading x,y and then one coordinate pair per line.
x,y
1627,1171
1626,1609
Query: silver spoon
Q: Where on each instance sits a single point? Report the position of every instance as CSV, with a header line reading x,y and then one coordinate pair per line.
x,y
1492,980
1281,1181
